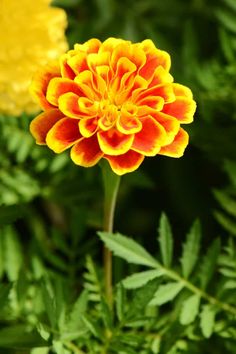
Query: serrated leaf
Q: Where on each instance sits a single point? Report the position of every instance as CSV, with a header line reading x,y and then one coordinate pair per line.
x,y
165,240
209,263
127,249
166,293
207,320
139,279
191,249
189,309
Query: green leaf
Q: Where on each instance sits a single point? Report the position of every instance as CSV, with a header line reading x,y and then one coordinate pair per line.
x,y
209,263
189,309
226,222
13,253
18,336
227,202
127,249
141,299
166,293
78,310
8,214
207,320
120,301
139,279
165,240
4,292
92,326
191,249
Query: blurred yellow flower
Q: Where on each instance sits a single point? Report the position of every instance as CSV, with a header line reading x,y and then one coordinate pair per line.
x,y
31,34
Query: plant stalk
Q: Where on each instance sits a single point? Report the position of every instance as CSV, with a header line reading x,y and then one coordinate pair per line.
x,y
111,183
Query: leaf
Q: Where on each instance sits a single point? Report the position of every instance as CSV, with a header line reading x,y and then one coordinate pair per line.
x,y
226,222
79,308
165,240
141,299
228,203
13,253
127,249
166,293
139,279
207,320
209,263
8,214
189,309
92,327
191,249
4,292
120,301
18,336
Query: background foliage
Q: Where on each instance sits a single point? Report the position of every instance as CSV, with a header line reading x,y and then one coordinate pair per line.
x,y
51,289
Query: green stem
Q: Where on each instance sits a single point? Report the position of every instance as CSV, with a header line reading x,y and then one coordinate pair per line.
x,y
111,186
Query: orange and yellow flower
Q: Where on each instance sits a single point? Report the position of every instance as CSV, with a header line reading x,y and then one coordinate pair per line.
x,y
114,100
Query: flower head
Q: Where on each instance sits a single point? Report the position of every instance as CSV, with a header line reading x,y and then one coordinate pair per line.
x,y
114,100
31,34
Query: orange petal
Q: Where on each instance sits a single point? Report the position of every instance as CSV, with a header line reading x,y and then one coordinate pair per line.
x,y
39,84
63,134
88,85
126,163
177,147
40,125
165,91
123,71
66,70
154,58
170,124
181,90
78,63
110,43
183,109
76,107
98,59
127,122
150,139
91,46
86,152
59,86
112,142
130,51
154,102
88,126
160,76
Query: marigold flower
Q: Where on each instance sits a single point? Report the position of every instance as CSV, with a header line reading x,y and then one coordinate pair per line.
x,y
31,34
114,100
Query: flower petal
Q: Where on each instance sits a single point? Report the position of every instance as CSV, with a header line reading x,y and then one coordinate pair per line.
x,y
127,122
88,126
165,91
39,84
86,152
154,58
183,109
114,143
124,50
59,86
150,139
181,90
77,107
170,124
91,46
177,147
63,134
128,162
41,124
